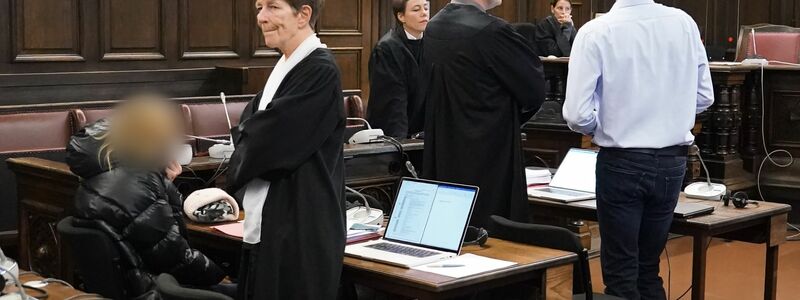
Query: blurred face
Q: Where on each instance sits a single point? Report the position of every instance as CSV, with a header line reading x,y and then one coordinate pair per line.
x,y
145,131
280,23
562,10
416,16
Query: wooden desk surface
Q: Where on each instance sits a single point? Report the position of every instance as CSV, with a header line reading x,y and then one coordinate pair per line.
x,y
721,217
528,258
55,291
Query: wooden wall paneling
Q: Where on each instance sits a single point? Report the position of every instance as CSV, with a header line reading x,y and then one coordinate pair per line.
x,y
46,30
208,29
349,60
132,30
346,28
753,12
48,88
782,12
5,35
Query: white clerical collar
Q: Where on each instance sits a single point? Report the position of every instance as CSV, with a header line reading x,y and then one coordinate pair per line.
x,y
412,37
285,65
469,2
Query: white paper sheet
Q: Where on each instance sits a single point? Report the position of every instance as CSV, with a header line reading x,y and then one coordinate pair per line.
x,y
468,264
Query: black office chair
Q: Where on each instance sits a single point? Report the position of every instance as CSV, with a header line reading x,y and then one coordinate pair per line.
x,y
555,238
170,289
97,259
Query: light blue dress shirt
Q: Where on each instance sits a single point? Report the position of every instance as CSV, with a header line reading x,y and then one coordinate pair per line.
x,y
638,76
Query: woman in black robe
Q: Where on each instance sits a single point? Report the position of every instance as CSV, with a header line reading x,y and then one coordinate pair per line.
x,y
288,161
555,34
394,102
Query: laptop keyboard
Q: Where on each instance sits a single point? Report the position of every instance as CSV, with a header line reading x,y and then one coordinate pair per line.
x,y
400,249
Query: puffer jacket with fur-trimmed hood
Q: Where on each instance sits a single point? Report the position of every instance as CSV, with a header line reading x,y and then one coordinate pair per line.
x,y
144,208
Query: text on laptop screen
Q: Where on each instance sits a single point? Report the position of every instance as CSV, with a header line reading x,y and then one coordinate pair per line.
x,y
431,214
577,171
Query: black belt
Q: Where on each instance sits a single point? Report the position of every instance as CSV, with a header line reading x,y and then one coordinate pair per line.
x,y
668,151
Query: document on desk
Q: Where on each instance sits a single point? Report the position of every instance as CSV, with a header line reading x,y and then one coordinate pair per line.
x,y
464,265
233,229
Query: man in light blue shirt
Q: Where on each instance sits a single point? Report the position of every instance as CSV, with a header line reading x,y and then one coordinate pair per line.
x,y
638,76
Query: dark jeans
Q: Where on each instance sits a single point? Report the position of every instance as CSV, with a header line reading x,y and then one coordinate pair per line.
x,y
636,195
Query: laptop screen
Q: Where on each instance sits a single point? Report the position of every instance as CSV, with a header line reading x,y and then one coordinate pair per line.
x,y
431,214
576,171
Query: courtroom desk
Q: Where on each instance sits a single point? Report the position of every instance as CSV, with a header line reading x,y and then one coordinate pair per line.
x,y
550,269
55,290
46,190
765,223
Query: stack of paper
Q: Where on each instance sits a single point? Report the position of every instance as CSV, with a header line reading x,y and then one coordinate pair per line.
x,y
465,265
536,176
233,229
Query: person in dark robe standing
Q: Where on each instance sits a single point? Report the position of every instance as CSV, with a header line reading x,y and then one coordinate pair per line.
x,y
288,161
556,33
483,82
394,99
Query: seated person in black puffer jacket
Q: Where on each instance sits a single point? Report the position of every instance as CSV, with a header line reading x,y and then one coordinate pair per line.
x,y
126,185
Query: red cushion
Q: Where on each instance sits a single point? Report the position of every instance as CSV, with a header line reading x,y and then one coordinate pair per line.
x,y
779,46
33,132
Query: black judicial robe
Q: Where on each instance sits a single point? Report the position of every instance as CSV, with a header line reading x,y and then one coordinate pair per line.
x,y
394,103
484,81
296,144
552,40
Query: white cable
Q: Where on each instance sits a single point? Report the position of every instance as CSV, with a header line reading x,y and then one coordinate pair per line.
x,y
793,237
764,144
16,281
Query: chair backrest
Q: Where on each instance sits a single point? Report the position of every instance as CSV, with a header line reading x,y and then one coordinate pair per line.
x,y
354,108
773,42
40,134
549,237
170,289
97,259
83,117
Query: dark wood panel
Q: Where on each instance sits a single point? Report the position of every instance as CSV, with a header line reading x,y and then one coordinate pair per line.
x,y
348,60
55,88
132,30
208,29
343,17
46,30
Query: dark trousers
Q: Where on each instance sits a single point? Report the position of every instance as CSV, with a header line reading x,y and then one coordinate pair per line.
x,y
637,190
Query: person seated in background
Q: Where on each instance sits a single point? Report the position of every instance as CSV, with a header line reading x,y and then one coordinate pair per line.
x,y
395,104
555,34
126,187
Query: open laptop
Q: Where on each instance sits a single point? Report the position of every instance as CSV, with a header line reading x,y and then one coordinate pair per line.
x,y
574,180
428,223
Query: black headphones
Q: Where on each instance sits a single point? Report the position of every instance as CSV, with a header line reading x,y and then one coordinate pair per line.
x,y
739,199
475,236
